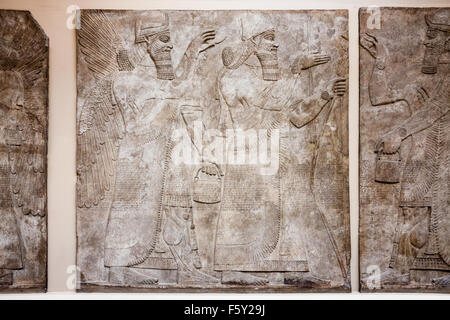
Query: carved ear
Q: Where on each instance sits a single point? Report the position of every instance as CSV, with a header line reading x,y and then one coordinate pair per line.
x,y
227,56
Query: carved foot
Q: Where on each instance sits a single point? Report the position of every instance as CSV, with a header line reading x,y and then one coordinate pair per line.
x,y
6,278
130,276
304,279
196,277
242,278
392,276
441,282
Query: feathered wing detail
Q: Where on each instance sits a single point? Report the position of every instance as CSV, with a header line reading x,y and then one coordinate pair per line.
x,y
27,159
98,41
23,42
101,46
101,125
34,75
24,55
98,144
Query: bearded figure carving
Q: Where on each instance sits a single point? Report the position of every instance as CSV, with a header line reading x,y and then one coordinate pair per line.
x,y
150,224
251,232
420,252
161,95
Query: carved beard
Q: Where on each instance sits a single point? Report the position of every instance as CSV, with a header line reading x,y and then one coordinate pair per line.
x,y
269,64
164,67
163,60
432,56
430,60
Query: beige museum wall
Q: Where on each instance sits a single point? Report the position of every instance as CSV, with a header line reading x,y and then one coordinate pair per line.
x,y
53,17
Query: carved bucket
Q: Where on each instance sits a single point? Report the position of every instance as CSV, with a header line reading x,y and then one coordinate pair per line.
x,y
388,168
207,188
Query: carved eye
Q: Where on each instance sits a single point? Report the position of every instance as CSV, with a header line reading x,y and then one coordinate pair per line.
x,y
164,38
270,37
432,33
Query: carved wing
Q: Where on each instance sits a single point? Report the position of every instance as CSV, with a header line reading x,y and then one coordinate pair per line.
x,y
101,126
24,56
27,160
101,46
100,129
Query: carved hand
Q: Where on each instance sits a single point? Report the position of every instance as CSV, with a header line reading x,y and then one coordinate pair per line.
x,y
203,41
390,142
370,42
311,60
339,87
336,87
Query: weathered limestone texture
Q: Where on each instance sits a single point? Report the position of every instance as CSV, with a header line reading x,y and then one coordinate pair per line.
x,y
212,151
23,153
404,149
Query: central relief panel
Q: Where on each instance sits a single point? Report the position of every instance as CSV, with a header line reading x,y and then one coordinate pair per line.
x,y
212,150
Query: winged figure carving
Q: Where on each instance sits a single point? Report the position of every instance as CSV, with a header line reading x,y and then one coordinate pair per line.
x,y
101,126
23,80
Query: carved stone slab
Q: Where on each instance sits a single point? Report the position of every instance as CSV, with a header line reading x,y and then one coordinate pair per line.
x,y
404,149
23,153
212,150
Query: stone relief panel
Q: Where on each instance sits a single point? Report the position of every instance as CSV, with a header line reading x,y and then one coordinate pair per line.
x,y
404,149
212,150
23,153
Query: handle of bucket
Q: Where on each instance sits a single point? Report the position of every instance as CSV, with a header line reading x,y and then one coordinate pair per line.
x,y
201,168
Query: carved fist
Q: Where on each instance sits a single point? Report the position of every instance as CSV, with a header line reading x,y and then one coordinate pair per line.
x,y
311,60
390,142
339,87
336,87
